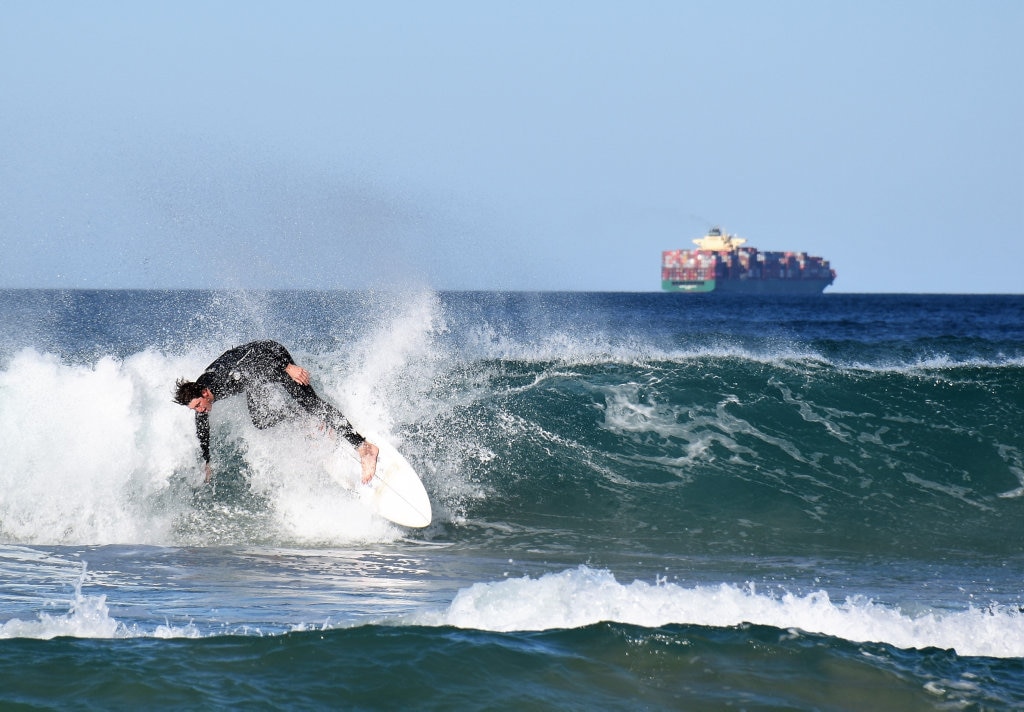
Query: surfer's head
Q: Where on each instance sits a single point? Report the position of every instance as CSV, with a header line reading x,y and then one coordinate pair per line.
x,y
191,394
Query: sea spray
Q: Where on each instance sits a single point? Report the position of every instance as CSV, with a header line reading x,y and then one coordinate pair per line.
x,y
83,444
97,453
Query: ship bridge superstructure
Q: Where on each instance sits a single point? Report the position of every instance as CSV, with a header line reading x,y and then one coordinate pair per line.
x,y
716,240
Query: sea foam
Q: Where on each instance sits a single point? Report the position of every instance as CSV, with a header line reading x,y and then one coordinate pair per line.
x,y
583,596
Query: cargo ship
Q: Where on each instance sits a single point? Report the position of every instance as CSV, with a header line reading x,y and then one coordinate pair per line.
x,y
722,265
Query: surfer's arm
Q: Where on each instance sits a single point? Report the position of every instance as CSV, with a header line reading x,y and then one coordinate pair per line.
x,y
203,433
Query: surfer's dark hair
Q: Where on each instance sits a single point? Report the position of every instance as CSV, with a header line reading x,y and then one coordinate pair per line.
x,y
186,391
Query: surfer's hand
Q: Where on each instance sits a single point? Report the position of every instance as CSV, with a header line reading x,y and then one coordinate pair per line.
x,y
298,374
207,473
368,460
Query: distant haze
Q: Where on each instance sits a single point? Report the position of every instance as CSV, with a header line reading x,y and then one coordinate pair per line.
x,y
483,145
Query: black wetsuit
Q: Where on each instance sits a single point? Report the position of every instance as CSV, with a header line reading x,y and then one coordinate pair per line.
x,y
254,369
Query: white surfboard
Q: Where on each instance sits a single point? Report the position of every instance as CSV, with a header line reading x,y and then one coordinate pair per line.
x,y
396,492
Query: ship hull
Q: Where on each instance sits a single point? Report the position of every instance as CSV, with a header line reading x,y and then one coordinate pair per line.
x,y
747,286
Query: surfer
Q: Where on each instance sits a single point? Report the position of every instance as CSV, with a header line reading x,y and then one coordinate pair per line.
x,y
254,369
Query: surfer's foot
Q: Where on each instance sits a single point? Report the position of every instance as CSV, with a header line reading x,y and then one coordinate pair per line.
x,y
368,460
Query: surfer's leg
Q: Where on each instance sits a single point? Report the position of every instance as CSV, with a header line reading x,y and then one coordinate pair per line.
x,y
261,412
330,416
334,419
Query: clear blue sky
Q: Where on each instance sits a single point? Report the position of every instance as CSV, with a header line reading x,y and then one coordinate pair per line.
x,y
507,145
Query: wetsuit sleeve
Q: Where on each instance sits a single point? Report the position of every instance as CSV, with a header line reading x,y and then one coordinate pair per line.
x,y
203,433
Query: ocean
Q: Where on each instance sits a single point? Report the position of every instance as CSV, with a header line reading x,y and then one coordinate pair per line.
x,y
641,501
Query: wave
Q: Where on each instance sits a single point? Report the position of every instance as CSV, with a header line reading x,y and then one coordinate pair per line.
x,y
735,454
525,416
606,666
583,596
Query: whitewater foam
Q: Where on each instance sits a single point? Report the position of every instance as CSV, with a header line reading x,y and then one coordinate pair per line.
x,y
82,445
96,453
583,596
86,617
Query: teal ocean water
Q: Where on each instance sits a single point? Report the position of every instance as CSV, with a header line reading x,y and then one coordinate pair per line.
x,y
642,501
